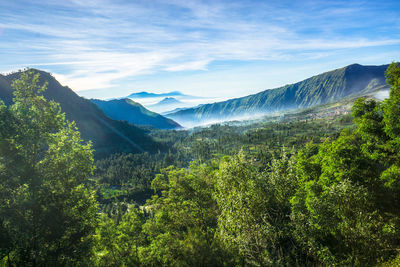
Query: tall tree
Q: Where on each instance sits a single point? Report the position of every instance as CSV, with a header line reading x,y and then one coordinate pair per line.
x,y
181,229
47,216
346,208
255,211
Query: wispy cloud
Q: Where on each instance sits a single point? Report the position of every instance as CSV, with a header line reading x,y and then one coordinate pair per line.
x,y
94,44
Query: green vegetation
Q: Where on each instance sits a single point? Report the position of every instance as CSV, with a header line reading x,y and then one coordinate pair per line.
x,y
47,216
287,192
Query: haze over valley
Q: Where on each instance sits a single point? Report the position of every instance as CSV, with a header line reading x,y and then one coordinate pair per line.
x,y
167,102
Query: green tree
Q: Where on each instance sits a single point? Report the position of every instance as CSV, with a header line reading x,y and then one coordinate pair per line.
x,y
181,228
392,105
345,210
47,216
255,211
120,242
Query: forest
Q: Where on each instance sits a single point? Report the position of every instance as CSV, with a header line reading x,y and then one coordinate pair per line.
x,y
285,192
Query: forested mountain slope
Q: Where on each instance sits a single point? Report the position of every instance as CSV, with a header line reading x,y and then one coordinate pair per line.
x,y
108,135
323,88
133,112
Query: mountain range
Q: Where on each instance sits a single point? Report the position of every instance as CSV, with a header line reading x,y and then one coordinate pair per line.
x,y
109,124
108,135
133,112
178,109
327,87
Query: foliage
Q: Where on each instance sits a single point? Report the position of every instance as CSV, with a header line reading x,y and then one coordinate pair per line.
x,y
119,242
182,227
46,214
179,229
346,209
255,211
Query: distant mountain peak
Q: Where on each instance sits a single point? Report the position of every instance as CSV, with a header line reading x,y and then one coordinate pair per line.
x,y
145,94
169,100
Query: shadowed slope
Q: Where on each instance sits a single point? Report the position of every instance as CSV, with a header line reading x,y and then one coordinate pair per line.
x,y
128,110
108,136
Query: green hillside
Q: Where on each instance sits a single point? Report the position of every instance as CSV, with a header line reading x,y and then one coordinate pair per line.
x,y
320,89
133,112
108,135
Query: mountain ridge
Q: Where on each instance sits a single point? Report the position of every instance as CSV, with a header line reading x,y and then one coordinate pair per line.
x,y
108,135
128,110
323,88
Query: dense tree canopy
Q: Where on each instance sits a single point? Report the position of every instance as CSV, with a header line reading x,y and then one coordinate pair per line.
x,y
46,214
346,208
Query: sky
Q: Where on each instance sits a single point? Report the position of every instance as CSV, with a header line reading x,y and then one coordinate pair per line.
x,y
219,48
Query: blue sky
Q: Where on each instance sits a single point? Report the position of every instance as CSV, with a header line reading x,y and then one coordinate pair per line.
x,y
222,49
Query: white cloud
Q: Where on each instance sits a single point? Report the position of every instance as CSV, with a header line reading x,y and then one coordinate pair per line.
x,y
194,65
100,69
